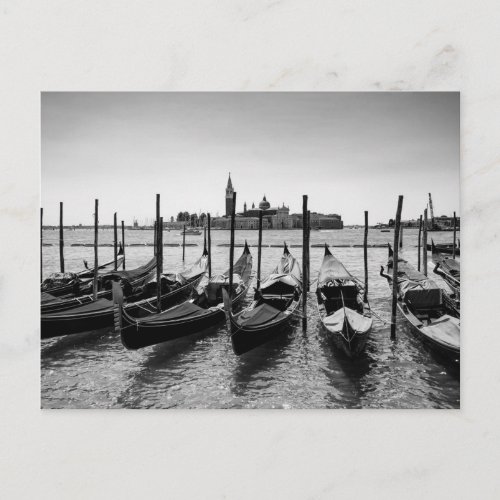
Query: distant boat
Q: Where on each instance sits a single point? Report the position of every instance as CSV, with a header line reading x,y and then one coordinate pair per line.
x,y
446,248
190,231
385,230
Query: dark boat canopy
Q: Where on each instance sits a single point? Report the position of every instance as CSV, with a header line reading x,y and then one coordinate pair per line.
x,y
415,287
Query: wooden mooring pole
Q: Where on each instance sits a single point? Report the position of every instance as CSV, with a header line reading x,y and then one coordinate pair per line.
x,y
115,242
41,245
61,237
395,268
259,252
365,255
304,260
308,251
401,237
424,244
419,240
123,243
209,248
231,246
96,246
184,243
158,255
155,237
454,233
161,246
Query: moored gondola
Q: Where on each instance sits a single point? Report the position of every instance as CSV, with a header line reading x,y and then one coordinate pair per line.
x,y
424,306
271,310
201,312
94,315
345,316
57,284
445,248
448,268
131,279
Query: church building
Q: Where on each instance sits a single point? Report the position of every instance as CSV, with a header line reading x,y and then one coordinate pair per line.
x,y
272,217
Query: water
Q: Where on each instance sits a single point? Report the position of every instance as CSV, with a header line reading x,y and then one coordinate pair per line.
x,y
297,370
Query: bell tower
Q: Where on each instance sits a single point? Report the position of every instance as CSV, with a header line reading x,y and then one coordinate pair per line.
x,y
229,196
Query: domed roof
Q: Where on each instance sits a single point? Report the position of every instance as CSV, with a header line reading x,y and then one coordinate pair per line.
x,y
264,204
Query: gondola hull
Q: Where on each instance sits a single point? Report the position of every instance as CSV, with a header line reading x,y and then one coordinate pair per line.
x,y
100,314
245,339
428,314
352,344
450,353
85,276
136,335
183,320
58,326
345,313
445,249
139,278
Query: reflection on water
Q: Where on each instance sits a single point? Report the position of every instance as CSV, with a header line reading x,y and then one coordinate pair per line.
x,y
298,369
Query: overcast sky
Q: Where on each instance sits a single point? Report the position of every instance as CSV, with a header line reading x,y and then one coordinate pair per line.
x,y
349,152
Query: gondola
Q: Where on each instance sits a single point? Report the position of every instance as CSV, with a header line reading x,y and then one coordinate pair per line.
x,y
131,280
271,310
345,317
202,311
449,269
445,248
423,304
94,315
58,284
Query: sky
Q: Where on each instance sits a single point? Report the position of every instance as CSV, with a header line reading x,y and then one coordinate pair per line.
x,y
349,152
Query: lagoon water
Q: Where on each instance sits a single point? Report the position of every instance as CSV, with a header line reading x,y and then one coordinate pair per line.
x,y
297,370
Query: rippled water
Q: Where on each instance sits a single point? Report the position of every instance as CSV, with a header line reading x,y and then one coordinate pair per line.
x,y
297,370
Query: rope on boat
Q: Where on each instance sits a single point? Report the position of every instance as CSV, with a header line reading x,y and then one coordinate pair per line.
x,y
380,318
144,308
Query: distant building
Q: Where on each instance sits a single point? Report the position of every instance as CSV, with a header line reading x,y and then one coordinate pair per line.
x,y
229,197
272,217
445,222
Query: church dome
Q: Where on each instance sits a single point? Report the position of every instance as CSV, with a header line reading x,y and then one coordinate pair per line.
x,y
264,204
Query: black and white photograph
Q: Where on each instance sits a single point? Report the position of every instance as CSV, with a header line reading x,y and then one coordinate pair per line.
x,y
250,250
